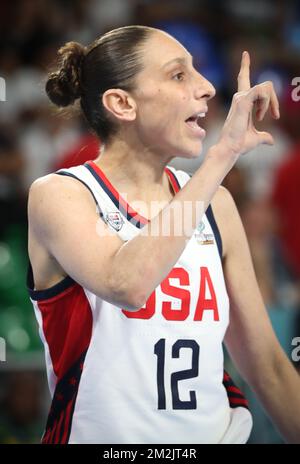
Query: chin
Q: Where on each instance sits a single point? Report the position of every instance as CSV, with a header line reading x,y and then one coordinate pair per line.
x,y
193,153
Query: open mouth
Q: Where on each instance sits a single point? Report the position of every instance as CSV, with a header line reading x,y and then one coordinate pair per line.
x,y
194,123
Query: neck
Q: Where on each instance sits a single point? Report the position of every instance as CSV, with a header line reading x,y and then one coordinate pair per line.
x,y
129,166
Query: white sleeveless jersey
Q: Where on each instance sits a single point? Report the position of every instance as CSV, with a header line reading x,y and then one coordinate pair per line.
x,y
151,376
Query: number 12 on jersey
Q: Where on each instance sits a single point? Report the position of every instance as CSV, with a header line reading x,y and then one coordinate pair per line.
x,y
160,351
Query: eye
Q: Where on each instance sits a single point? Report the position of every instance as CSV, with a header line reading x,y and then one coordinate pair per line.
x,y
179,76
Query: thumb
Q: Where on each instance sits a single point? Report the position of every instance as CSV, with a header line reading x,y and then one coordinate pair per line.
x,y
265,138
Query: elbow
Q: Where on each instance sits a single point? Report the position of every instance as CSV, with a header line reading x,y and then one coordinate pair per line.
x,y
131,301
128,295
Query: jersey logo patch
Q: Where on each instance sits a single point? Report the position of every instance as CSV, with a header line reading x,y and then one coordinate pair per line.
x,y
201,237
115,220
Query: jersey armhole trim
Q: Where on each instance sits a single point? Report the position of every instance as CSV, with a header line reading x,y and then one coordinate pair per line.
x,y
67,281
211,218
50,292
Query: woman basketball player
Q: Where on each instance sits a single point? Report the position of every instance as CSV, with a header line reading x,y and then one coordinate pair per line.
x,y
133,318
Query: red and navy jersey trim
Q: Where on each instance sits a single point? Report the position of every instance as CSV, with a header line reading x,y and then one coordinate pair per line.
x,y
132,216
57,289
173,179
59,423
235,396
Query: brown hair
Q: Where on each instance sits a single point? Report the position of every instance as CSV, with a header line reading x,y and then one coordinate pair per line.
x,y
111,61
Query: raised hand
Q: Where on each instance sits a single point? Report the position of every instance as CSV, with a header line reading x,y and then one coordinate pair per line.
x,y
239,134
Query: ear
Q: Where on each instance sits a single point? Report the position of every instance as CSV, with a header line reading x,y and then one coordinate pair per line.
x,y
120,104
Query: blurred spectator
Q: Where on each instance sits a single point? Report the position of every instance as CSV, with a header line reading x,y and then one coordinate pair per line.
x,y
257,218
12,200
22,413
86,148
44,137
286,198
286,188
237,184
260,164
108,14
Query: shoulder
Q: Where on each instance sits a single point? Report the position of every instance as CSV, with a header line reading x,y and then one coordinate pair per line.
x,y
49,197
54,183
223,202
52,187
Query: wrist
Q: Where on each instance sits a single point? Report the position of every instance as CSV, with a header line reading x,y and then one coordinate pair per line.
x,y
217,163
223,154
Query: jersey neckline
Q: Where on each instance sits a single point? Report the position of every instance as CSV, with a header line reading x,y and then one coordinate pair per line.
x,y
132,215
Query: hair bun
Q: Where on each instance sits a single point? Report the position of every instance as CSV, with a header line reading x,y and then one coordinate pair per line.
x,y
63,86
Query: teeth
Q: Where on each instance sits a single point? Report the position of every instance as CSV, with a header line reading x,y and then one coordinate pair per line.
x,y
196,116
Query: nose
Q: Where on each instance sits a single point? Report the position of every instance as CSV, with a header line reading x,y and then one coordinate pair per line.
x,y
204,88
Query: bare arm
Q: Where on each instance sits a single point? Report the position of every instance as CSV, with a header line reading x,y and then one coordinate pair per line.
x,y
250,338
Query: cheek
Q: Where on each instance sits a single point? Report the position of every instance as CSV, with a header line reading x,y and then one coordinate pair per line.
x,y
159,109
169,107
162,111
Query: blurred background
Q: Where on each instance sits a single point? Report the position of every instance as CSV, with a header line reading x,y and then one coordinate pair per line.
x,y
34,141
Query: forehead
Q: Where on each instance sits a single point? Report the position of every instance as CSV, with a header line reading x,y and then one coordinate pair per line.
x,y
161,48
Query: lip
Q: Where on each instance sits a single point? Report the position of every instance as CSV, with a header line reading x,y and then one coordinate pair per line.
x,y
196,130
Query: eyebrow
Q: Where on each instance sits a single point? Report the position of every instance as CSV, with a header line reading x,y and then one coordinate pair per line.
x,y
180,60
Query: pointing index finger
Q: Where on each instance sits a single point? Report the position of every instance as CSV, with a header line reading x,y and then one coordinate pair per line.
x,y
244,74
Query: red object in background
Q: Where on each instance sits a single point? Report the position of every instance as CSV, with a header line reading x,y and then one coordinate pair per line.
x,y
286,200
87,148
